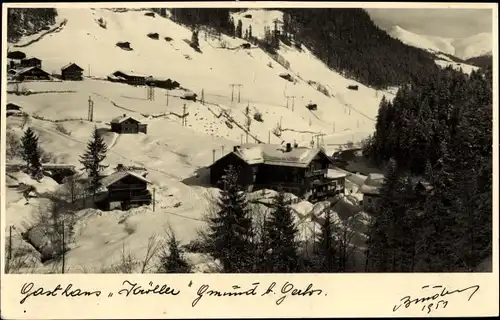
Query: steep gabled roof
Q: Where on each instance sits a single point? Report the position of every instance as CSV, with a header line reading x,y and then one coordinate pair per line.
x,y
273,154
119,175
24,70
70,65
124,118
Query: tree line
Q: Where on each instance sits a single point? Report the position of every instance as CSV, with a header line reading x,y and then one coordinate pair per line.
x,y
441,133
26,21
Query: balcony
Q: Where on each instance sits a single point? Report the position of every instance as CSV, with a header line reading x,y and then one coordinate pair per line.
x,y
317,172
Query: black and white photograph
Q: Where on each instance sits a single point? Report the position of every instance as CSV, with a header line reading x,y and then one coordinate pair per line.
x,y
224,140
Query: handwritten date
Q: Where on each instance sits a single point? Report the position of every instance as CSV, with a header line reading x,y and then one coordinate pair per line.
x,y
435,301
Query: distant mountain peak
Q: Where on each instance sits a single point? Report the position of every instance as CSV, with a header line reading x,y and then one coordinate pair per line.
x,y
463,48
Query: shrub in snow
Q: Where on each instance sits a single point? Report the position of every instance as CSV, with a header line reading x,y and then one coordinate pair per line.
x,y
258,116
130,228
277,130
101,23
13,145
154,35
321,88
62,129
168,39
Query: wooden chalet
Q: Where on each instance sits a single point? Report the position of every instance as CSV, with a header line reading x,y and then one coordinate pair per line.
x,y
299,170
72,71
129,78
125,189
31,62
127,124
13,109
32,73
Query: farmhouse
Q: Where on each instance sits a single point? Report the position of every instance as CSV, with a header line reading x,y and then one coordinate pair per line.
x,y
299,170
31,62
371,191
129,78
13,109
125,189
127,124
72,71
31,73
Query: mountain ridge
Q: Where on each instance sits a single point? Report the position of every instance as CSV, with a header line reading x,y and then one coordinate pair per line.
x,y
463,48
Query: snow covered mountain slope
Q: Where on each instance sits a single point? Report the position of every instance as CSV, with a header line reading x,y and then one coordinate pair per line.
x,y
463,48
174,154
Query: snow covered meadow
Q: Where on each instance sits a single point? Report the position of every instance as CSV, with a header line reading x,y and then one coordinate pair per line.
x,y
175,155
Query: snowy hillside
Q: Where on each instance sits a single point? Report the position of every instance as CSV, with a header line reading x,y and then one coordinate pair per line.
x,y
463,48
175,155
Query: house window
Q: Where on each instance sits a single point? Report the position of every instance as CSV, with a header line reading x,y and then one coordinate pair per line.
x,y
368,200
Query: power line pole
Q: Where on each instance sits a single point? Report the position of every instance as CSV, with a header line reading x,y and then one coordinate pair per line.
x,y
269,137
203,95
63,249
184,122
213,155
167,96
10,247
334,127
150,93
222,150
293,101
154,199
232,91
91,109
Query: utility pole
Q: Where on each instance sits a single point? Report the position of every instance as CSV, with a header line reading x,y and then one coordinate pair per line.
x,y
10,247
232,91
203,94
334,127
293,101
241,139
63,249
184,120
89,70
269,137
154,199
167,96
91,109
150,93
213,155
222,150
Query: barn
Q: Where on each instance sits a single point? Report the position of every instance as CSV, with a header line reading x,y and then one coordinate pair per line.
x,y
72,71
31,62
129,77
32,73
127,124
125,189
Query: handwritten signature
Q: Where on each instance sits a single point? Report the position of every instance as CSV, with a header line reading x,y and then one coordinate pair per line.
x,y
288,289
436,300
27,290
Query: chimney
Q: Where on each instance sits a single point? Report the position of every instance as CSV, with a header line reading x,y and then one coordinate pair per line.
x,y
236,148
288,147
124,115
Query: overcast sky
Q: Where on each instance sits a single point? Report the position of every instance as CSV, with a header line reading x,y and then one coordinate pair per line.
x,y
448,23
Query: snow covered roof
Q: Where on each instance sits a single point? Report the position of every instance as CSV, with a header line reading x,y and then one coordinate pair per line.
x,y
24,70
117,176
131,74
335,174
71,64
275,154
372,184
122,118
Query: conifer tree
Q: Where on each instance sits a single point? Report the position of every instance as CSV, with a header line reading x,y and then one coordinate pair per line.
x,y
279,240
239,29
250,36
230,231
92,159
172,258
195,43
31,153
326,246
